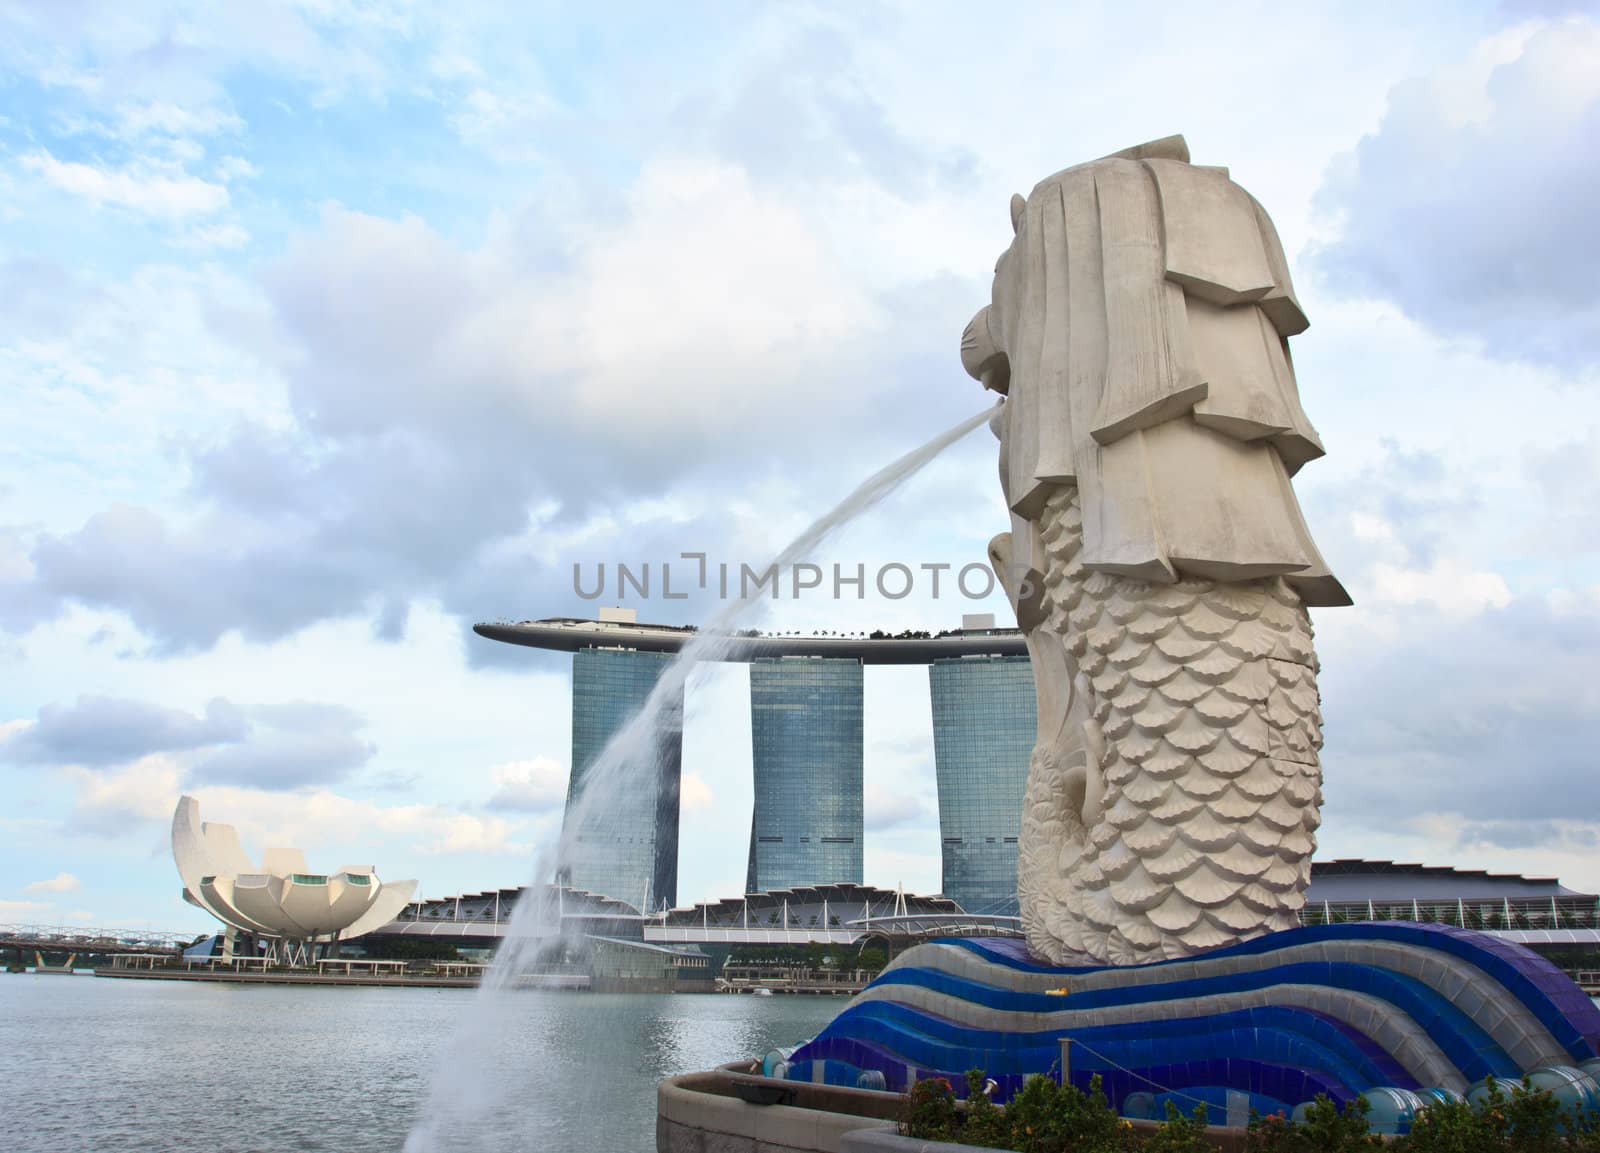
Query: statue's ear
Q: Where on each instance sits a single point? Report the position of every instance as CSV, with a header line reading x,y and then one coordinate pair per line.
x,y
1018,207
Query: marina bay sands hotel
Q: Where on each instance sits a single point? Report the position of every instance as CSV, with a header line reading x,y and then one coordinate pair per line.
x,y
806,735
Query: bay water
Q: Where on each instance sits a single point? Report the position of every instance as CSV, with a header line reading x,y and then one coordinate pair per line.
x,y
97,1065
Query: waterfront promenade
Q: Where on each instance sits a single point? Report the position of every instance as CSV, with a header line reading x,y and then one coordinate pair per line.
x,y
291,977
349,972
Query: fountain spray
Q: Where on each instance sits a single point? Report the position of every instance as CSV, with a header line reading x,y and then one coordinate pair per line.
x,y
461,1087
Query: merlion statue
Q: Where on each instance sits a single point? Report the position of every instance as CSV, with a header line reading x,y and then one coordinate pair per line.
x,y
1157,560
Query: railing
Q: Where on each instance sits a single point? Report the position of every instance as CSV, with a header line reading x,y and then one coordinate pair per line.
x,y
774,973
1526,913
792,979
464,917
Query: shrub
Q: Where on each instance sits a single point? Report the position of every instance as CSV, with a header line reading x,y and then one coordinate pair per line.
x,y
1088,1121
985,1122
1451,1127
1526,1120
1529,1120
930,1111
1273,1133
1328,1130
1032,1118
1180,1134
1043,1117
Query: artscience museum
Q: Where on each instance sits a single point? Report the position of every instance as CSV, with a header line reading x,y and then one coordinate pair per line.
x,y
280,902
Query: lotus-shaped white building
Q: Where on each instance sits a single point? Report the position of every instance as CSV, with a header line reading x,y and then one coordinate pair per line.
x,y
282,898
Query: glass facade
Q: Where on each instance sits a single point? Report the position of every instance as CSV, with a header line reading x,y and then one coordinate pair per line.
x,y
627,847
806,736
983,732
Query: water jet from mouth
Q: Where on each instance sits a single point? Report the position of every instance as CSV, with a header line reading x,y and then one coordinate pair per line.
x,y
464,1094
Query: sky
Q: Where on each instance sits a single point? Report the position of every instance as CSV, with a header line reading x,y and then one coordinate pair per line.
x,y
330,328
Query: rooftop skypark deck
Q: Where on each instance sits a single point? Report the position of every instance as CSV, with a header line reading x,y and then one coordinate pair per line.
x,y
567,634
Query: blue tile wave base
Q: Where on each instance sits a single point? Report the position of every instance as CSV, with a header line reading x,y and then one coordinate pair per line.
x,y
1424,1010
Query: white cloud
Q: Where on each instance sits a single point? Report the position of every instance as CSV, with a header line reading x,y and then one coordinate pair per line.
x,y
693,312
1469,204
231,168
167,119
442,832
1481,720
453,64
60,883
115,801
532,786
890,865
215,236
680,332
165,195
694,795
1371,529
709,272
24,908
108,802
14,563
886,808
1562,602
1563,848
695,306
499,120
1447,585
270,746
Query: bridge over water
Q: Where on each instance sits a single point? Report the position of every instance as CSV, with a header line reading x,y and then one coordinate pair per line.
x,y
85,941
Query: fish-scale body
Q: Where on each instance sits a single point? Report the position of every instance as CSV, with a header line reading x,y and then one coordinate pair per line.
x,y
1183,815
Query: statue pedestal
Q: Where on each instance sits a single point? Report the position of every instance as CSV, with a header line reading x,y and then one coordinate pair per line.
x,y
1400,1012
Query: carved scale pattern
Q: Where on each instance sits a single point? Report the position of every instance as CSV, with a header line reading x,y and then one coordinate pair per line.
x,y
1203,727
